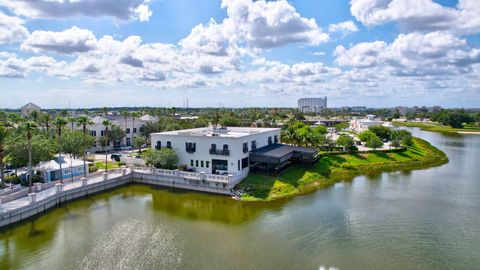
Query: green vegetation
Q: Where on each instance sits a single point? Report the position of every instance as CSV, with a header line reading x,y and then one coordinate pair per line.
x,y
331,169
436,127
164,158
100,165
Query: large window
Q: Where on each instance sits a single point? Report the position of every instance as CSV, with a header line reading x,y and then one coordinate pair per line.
x,y
244,163
275,139
159,145
269,140
196,163
207,164
169,144
190,147
127,131
201,163
254,145
191,162
245,147
128,142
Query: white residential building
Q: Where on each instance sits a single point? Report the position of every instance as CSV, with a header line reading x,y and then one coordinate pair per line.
x,y
214,150
359,125
131,127
315,105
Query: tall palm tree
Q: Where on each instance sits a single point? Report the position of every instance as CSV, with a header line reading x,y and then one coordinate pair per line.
x,y
125,113
45,120
3,138
34,115
134,115
105,111
106,140
72,121
84,121
60,123
30,127
64,113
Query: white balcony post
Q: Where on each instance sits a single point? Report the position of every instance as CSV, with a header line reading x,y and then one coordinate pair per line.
x,y
32,197
105,176
38,187
84,181
124,171
59,187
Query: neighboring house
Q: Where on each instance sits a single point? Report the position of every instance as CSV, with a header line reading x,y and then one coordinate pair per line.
x,y
50,170
132,129
359,125
26,110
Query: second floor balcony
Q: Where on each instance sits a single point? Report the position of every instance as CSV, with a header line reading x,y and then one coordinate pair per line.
x,y
222,152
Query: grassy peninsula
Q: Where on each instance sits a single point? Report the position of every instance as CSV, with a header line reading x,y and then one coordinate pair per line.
x,y
437,127
331,169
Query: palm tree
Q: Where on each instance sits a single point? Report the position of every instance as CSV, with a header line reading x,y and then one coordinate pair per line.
x,y
34,115
64,113
72,121
125,113
30,127
105,142
84,121
3,137
134,115
60,123
105,111
45,120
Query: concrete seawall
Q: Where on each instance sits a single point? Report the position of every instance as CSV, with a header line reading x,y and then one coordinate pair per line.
x,y
57,195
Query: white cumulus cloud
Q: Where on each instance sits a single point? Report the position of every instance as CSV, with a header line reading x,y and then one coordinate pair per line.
x,y
11,29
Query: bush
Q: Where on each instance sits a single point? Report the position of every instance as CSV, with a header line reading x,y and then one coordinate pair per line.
x,y
92,168
382,132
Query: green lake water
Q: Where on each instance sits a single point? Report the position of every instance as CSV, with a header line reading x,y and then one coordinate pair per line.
x,y
425,219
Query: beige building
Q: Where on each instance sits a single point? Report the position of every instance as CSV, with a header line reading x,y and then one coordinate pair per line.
x,y
29,108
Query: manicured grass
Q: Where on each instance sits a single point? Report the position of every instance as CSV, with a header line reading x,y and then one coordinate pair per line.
x,y
111,165
344,167
436,127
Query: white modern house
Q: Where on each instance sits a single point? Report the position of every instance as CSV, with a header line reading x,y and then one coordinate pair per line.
x,y
315,105
131,127
359,125
216,150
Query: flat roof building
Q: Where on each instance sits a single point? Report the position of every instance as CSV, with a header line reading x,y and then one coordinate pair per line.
x,y
312,105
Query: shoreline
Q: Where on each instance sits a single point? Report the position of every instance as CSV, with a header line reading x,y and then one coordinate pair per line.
x,y
437,128
333,169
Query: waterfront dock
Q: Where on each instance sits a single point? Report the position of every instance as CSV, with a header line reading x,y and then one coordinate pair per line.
x,y
22,205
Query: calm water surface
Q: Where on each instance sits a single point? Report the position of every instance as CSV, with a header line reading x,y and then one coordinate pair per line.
x,y
427,219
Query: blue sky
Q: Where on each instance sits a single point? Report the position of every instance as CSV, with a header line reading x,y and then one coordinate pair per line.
x,y
238,53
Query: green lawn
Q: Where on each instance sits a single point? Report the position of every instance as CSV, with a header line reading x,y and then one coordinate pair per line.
x,y
331,169
436,127
111,165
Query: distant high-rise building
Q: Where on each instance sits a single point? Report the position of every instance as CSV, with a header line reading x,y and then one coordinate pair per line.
x,y
315,105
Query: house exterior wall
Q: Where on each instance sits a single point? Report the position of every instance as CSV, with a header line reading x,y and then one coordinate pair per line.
x,y
67,173
97,130
203,144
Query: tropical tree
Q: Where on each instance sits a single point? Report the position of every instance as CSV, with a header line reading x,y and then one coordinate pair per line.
x,y
134,115
30,127
382,132
45,119
164,158
3,138
72,121
60,123
346,142
374,142
34,116
125,113
366,135
84,121
105,141
139,141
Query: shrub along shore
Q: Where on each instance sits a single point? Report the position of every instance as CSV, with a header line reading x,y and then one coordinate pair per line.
x,y
331,169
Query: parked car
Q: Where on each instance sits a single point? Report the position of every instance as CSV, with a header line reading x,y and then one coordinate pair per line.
x,y
115,157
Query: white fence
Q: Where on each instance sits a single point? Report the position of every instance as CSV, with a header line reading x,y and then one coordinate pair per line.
x,y
200,176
